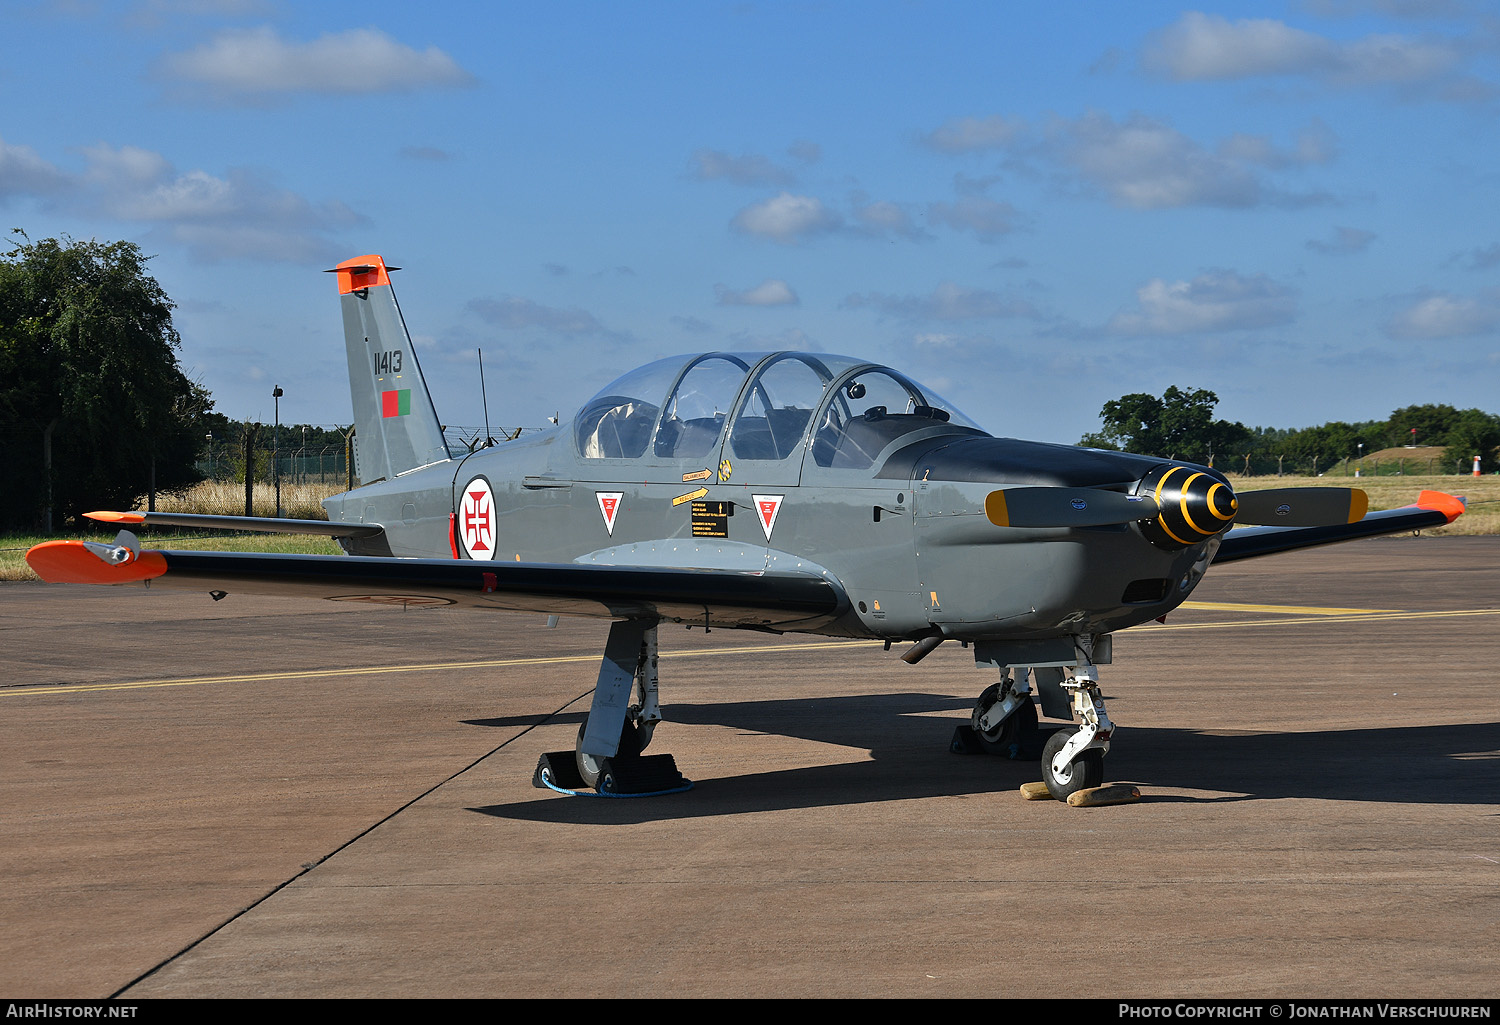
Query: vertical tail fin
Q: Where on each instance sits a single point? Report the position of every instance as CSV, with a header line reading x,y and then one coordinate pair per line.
x,y
396,425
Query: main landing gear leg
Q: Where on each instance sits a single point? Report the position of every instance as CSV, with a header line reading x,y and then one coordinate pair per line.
x,y
1003,721
1073,759
607,752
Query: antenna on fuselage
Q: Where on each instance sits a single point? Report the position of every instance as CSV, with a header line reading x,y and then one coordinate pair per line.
x,y
488,441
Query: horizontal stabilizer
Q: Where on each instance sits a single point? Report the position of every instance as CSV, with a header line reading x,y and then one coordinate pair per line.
x,y
265,524
88,562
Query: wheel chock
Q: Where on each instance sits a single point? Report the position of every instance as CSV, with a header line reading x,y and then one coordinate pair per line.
x,y
1094,797
640,774
561,768
1035,791
965,741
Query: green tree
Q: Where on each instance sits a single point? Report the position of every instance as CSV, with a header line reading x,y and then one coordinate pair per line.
x,y
1180,424
1431,421
1474,433
93,405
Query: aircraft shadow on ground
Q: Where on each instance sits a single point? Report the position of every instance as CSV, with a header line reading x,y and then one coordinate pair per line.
x,y
909,758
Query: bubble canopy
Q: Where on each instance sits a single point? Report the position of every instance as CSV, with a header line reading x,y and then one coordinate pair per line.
x,y
772,405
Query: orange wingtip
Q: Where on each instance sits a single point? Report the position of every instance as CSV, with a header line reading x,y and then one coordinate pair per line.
x,y
69,562
104,516
362,272
1437,501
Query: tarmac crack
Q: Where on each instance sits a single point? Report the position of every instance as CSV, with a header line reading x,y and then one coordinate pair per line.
x,y
310,865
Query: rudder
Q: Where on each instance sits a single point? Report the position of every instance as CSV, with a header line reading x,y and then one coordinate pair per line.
x,y
396,424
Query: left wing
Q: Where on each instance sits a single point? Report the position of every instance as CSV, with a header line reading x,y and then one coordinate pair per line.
x,y
771,600
1433,509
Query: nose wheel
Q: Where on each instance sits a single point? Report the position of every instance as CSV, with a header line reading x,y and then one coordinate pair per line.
x,y
1063,778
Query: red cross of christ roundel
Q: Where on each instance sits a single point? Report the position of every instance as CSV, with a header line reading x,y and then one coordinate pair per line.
x,y
476,519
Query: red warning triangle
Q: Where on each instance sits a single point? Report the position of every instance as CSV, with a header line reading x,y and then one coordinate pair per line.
x,y
609,505
767,507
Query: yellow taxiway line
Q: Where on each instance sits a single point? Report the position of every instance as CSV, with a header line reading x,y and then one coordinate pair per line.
x,y
305,674
1374,616
1286,610
1293,615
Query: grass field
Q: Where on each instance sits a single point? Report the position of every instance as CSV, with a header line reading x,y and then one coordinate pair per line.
x,y
301,502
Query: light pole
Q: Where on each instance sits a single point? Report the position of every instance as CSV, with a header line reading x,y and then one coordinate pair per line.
x,y
276,394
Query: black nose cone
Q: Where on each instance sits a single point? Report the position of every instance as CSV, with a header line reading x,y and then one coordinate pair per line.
x,y
1195,504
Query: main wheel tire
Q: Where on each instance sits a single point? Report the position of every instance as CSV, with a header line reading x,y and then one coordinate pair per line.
x,y
588,765
1004,740
1082,773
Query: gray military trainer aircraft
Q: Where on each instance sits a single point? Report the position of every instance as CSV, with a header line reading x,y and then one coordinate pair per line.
x,y
780,492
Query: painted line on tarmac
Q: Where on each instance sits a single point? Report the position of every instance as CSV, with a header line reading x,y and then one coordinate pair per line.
x,y
1287,610
1373,617
306,674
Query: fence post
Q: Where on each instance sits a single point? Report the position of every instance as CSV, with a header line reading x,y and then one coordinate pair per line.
x,y
250,431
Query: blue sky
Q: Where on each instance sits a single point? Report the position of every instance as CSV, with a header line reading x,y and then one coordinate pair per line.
x,y
1032,208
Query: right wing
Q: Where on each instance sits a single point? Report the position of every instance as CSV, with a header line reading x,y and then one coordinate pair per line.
x,y
1433,509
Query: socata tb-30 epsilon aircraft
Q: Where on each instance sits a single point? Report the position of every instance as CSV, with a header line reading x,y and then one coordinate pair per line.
x,y
781,492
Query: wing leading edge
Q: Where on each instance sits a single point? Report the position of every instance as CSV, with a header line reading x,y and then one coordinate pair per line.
x,y
777,601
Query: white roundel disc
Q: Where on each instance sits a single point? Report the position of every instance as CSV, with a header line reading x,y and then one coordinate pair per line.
x,y
476,519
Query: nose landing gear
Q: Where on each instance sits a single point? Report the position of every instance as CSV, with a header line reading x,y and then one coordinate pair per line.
x,y
1073,758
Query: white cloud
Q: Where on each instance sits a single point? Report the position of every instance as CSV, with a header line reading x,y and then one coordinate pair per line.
x,y
1208,47
745,169
786,218
24,173
257,64
1146,164
948,302
771,292
239,215
966,134
1446,316
1220,300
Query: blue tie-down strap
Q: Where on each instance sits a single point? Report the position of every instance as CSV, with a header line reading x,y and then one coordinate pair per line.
x,y
628,776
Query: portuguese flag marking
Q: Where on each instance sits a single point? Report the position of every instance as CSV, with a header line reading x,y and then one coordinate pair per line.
x,y
395,403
